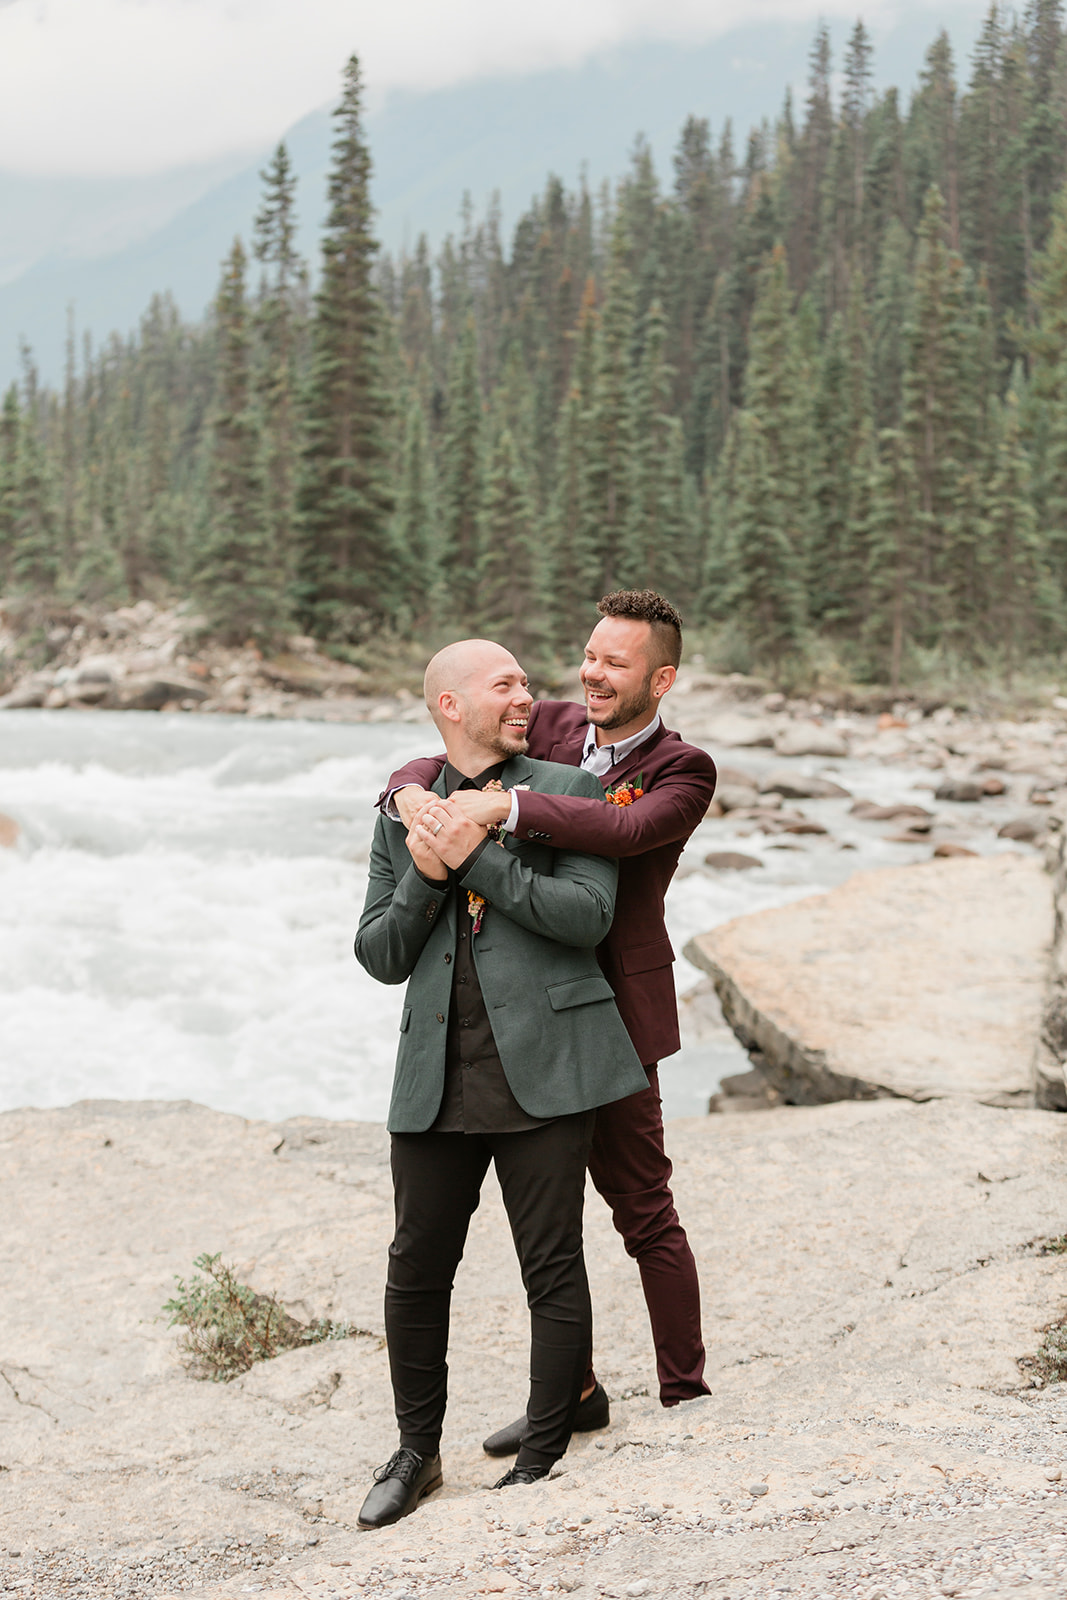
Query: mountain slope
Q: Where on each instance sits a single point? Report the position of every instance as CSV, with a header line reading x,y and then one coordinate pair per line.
x,y
428,148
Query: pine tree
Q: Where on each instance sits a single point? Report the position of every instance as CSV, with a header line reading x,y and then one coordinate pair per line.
x,y
652,549
778,394
9,455
896,556
1046,403
571,523
933,135
344,576
1045,132
943,427
415,532
279,327
240,581
1023,609
813,158
889,316
34,559
462,474
765,596
611,422
511,579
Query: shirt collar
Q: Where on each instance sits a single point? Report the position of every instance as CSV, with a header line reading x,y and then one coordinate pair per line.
x,y
619,751
454,779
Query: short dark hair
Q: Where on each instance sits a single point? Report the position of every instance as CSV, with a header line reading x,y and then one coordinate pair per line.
x,y
645,605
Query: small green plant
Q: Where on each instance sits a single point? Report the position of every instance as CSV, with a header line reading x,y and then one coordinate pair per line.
x,y
1052,1353
229,1326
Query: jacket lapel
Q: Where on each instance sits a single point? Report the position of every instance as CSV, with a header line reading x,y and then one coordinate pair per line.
x,y
518,770
568,751
635,761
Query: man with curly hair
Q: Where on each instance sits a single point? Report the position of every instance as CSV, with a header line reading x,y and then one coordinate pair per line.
x,y
661,787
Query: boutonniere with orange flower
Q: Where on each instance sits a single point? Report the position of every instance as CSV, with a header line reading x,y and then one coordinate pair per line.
x,y
624,794
476,903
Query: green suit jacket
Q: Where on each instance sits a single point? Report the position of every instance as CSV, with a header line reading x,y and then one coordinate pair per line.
x,y
561,1041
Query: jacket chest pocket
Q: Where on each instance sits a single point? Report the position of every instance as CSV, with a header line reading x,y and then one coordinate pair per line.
x,y
405,1018
579,991
646,957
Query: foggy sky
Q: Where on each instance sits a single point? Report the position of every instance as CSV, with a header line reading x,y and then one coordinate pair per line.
x,y
138,86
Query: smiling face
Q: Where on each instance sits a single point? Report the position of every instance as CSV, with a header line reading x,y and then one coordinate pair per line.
x,y
478,696
622,687
495,708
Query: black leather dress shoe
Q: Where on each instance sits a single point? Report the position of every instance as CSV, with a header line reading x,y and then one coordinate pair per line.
x,y
593,1412
405,1479
521,1475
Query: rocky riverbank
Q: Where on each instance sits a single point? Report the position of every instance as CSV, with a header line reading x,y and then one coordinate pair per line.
x,y
153,657
873,1274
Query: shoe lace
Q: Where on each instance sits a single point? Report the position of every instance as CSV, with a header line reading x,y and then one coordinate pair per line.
x,y
403,1464
520,1475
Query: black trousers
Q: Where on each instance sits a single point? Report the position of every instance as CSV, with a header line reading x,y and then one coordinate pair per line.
x,y
437,1179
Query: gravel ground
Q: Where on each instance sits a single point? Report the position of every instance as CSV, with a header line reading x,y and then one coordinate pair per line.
x,y
873,1274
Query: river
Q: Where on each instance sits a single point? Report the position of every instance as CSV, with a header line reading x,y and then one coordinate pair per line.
x,y
176,920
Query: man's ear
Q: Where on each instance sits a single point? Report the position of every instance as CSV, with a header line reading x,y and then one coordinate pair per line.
x,y
662,679
449,704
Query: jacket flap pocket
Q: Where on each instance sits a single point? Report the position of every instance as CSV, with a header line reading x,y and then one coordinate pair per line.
x,y
579,991
646,957
405,1018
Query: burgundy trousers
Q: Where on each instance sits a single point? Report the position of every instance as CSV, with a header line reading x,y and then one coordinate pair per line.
x,y
629,1168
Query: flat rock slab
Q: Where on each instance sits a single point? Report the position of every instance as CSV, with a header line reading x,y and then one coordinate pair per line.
x,y
870,1272
921,981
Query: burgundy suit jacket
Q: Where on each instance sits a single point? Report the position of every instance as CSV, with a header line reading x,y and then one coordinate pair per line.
x,y
647,837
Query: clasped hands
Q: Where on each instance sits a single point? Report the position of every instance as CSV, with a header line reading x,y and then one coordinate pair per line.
x,y
442,833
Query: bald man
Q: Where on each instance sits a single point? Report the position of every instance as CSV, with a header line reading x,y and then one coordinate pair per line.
x,y
509,1040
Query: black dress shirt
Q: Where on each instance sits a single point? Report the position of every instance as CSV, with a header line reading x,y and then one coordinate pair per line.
x,y
477,1097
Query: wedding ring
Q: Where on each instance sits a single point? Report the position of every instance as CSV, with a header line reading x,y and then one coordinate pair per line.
x,y
438,828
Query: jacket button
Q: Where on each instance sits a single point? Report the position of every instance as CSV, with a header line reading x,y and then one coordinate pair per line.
x,y
440,1016
448,958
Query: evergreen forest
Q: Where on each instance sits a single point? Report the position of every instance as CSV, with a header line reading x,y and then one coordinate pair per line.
x,y
811,384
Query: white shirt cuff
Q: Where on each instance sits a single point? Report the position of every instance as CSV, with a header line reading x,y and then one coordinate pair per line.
x,y
513,815
389,804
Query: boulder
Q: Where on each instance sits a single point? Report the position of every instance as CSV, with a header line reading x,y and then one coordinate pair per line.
x,y
960,789
922,981
868,811
1023,829
799,786
9,832
809,739
802,825
739,731
27,695
738,779
946,850
152,694
732,797
317,676
98,669
743,1091
731,861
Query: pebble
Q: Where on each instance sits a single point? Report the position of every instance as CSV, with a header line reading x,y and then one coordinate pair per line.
x,y
758,1488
